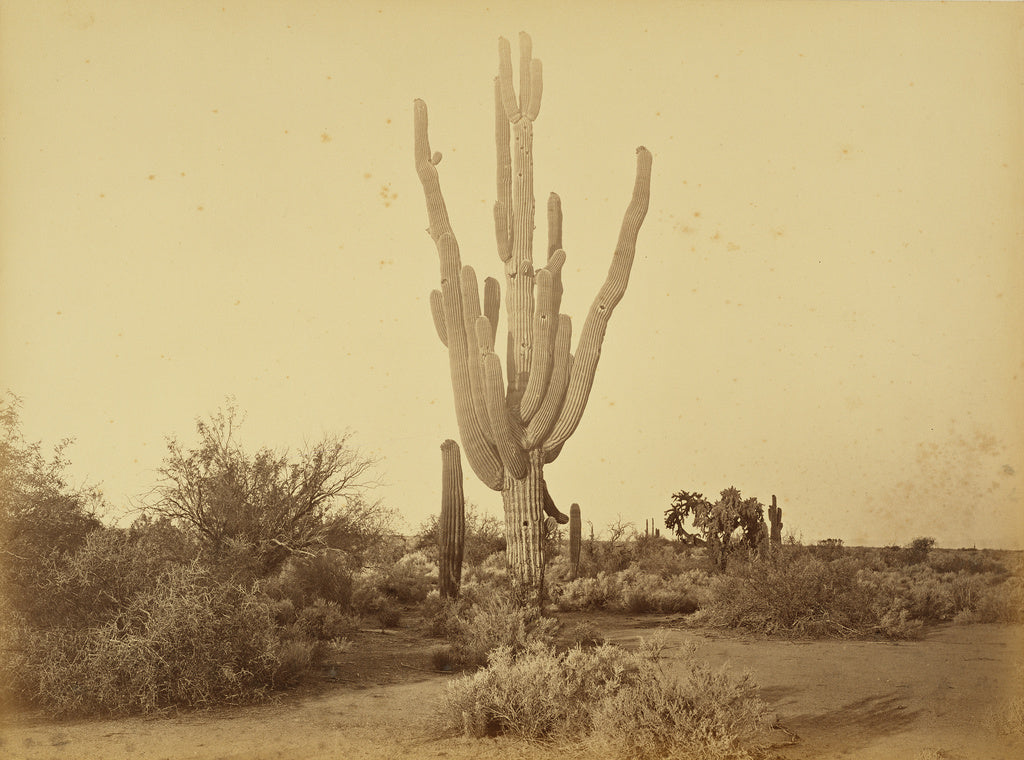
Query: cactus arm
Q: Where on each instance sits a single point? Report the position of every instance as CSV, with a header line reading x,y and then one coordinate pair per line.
x,y
519,269
482,455
551,509
471,311
555,263
525,59
554,224
503,205
542,422
589,349
536,88
437,312
506,433
508,95
426,168
542,349
451,528
492,304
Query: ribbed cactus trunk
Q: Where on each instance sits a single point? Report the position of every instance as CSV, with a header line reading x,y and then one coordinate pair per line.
x,y
775,518
575,539
451,529
513,423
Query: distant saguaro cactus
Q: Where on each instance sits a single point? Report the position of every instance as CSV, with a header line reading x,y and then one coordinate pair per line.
x,y
451,533
575,539
775,518
510,433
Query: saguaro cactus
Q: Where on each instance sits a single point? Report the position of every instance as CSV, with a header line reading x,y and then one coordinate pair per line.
x,y
775,518
451,530
511,429
575,538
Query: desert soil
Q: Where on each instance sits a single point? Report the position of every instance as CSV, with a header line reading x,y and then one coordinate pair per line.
x,y
938,698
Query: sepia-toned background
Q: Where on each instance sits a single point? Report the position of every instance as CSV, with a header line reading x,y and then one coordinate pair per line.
x,y
204,199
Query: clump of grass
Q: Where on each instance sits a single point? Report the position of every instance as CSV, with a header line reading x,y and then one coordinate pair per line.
x,y
610,700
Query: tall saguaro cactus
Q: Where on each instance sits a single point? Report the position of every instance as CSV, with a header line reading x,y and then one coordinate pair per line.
x,y
511,428
451,529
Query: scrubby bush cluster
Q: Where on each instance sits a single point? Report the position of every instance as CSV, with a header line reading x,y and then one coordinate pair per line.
x,y
615,702
176,611
800,591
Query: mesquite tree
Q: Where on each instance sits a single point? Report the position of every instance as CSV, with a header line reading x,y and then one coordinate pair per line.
x,y
511,429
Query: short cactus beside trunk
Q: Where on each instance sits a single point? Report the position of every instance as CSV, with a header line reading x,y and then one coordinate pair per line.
x,y
575,538
451,530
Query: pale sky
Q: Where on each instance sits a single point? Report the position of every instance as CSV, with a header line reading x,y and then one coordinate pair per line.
x,y
203,199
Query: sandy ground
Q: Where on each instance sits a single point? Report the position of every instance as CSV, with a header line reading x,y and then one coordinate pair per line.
x,y
934,699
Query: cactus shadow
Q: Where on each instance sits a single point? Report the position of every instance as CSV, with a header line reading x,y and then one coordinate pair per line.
x,y
865,719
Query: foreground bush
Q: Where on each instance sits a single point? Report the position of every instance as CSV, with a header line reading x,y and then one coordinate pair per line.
x,y
475,631
188,641
618,702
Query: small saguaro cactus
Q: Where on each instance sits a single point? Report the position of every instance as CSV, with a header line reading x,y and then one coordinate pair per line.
x,y
513,423
575,538
451,530
775,518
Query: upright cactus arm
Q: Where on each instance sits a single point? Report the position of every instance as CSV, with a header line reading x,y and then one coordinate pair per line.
x,y
437,312
503,205
519,271
561,367
481,453
540,370
471,312
589,349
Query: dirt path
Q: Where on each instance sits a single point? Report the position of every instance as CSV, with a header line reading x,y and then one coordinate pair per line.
x,y
934,699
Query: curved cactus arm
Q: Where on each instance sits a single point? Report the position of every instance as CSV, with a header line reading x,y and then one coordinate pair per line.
x,y
540,369
482,455
551,510
426,168
555,263
561,367
492,304
506,432
589,349
437,312
470,312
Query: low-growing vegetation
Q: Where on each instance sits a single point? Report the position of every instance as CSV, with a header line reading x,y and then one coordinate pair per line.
x,y
619,703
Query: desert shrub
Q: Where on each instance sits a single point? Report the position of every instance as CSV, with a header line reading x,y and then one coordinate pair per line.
x,y
410,579
389,614
188,641
324,621
607,697
101,578
828,549
971,562
791,593
597,593
584,635
474,630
